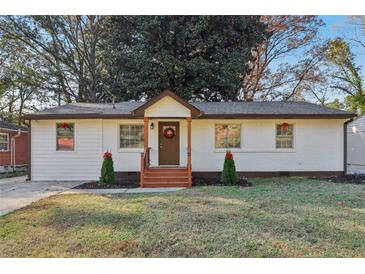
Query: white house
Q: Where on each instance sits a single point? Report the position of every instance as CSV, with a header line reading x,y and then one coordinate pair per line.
x,y
169,141
356,146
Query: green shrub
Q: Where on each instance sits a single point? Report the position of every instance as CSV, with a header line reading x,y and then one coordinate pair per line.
x,y
229,175
107,170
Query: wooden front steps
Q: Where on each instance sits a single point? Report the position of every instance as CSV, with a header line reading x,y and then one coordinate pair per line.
x,y
166,177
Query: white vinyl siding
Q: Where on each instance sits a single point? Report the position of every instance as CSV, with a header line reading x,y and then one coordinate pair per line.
x,y
318,146
82,164
356,146
167,107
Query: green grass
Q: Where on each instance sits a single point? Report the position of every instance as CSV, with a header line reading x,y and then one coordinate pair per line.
x,y
12,174
281,217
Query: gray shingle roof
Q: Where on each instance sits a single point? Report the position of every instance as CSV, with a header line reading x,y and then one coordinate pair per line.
x,y
266,108
123,108
239,109
10,126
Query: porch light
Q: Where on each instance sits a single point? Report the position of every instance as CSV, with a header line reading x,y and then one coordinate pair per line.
x,y
152,126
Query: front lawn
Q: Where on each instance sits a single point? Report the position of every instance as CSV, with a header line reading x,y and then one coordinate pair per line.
x,y
281,217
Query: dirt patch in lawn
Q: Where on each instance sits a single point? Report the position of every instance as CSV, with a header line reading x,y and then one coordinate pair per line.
x,y
211,181
358,179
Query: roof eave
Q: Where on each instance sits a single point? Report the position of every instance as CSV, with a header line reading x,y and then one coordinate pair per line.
x,y
13,130
48,116
203,116
279,116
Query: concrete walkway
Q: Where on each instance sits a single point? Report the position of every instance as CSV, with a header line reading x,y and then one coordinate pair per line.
x,y
16,193
13,180
122,190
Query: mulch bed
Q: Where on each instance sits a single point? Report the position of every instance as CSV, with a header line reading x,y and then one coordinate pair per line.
x,y
200,181
358,179
197,181
95,185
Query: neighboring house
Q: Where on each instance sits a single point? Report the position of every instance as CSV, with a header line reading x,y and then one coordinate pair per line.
x,y
167,140
356,146
13,146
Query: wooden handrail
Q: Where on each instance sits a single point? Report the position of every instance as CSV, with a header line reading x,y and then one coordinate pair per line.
x,y
145,163
188,120
189,166
147,158
141,181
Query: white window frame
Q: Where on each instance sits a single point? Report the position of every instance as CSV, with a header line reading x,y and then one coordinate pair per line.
x,y
293,141
130,149
228,148
55,137
7,143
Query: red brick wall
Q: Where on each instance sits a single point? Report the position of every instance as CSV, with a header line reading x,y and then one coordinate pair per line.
x,y
21,149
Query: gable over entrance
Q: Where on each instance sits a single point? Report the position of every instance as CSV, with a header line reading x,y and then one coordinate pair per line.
x,y
167,107
167,104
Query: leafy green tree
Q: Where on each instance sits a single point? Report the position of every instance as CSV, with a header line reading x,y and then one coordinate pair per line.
x,y
21,81
229,174
198,57
347,77
69,49
335,104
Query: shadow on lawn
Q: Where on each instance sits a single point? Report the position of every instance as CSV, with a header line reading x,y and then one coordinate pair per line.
x,y
63,219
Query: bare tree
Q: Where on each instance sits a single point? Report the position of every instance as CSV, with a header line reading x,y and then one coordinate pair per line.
x,y
21,82
70,48
269,75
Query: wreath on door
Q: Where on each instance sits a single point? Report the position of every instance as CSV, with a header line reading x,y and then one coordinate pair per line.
x,y
169,133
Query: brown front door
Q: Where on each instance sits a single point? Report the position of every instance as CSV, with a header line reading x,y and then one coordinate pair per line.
x,y
168,139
